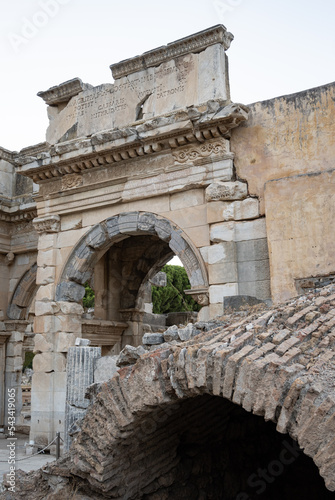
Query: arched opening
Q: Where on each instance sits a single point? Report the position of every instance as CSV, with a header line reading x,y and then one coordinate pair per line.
x,y
209,448
117,258
21,313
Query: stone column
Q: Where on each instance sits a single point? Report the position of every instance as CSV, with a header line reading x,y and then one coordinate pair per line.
x,y
56,326
80,374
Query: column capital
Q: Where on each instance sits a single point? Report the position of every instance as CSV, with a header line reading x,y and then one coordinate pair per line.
x,y
47,224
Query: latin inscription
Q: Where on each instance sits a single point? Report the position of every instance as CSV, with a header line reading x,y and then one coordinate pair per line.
x,y
167,80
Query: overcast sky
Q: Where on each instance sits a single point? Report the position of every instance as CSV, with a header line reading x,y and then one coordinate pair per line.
x,y
280,47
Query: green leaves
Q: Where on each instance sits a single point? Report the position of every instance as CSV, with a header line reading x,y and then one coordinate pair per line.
x,y
172,297
88,300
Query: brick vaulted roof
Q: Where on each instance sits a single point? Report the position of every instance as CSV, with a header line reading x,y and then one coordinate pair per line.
x,y
278,363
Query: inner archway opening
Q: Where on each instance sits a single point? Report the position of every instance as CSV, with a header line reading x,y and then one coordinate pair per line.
x,y
210,448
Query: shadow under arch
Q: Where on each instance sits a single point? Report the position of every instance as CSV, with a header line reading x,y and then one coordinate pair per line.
x,y
92,246
23,295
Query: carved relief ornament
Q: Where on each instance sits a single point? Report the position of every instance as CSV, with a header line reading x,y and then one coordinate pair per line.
x,y
71,181
202,151
47,224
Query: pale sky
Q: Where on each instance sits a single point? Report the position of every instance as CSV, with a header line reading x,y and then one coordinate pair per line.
x,y
280,47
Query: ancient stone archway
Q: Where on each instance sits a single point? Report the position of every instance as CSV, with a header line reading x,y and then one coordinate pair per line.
x,y
23,295
80,265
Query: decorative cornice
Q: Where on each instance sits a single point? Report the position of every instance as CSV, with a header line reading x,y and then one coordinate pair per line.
x,y
191,44
47,224
115,146
7,155
18,217
63,92
34,150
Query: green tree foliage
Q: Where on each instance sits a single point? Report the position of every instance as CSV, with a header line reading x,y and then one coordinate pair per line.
x,y
28,360
88,300
172,297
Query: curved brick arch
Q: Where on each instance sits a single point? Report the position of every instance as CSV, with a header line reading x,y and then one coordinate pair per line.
x,y
23,294
283,374
80,265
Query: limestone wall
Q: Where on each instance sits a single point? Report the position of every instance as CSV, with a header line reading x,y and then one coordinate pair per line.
x,y
286,154
286,136
300,217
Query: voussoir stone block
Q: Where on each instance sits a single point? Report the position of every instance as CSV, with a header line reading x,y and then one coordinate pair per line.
x,y
163,229
177,243
226,191
146,222
97,237
112,225
128,223
69,291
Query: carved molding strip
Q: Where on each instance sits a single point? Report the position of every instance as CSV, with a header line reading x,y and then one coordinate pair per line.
x,y
194,43
18,217
202,151
63,92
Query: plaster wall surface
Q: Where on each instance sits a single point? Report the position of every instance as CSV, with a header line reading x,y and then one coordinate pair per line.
x,y
300,218
286,136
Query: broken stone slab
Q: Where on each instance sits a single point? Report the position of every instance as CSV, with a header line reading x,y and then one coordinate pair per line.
x,y
226,191
129,355
188,332
238,302
105,368
171,334
152,339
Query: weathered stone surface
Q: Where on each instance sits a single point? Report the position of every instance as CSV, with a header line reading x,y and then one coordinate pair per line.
x,y
152,339
296,250
272,122
69,291
97,237
49,362
171,333
129,355
224,191
105,368
218,292
261,361
237,302
188,332
43,308
63,341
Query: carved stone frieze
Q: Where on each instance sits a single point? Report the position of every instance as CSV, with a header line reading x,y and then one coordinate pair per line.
x,y
196,152
47,224
71,181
